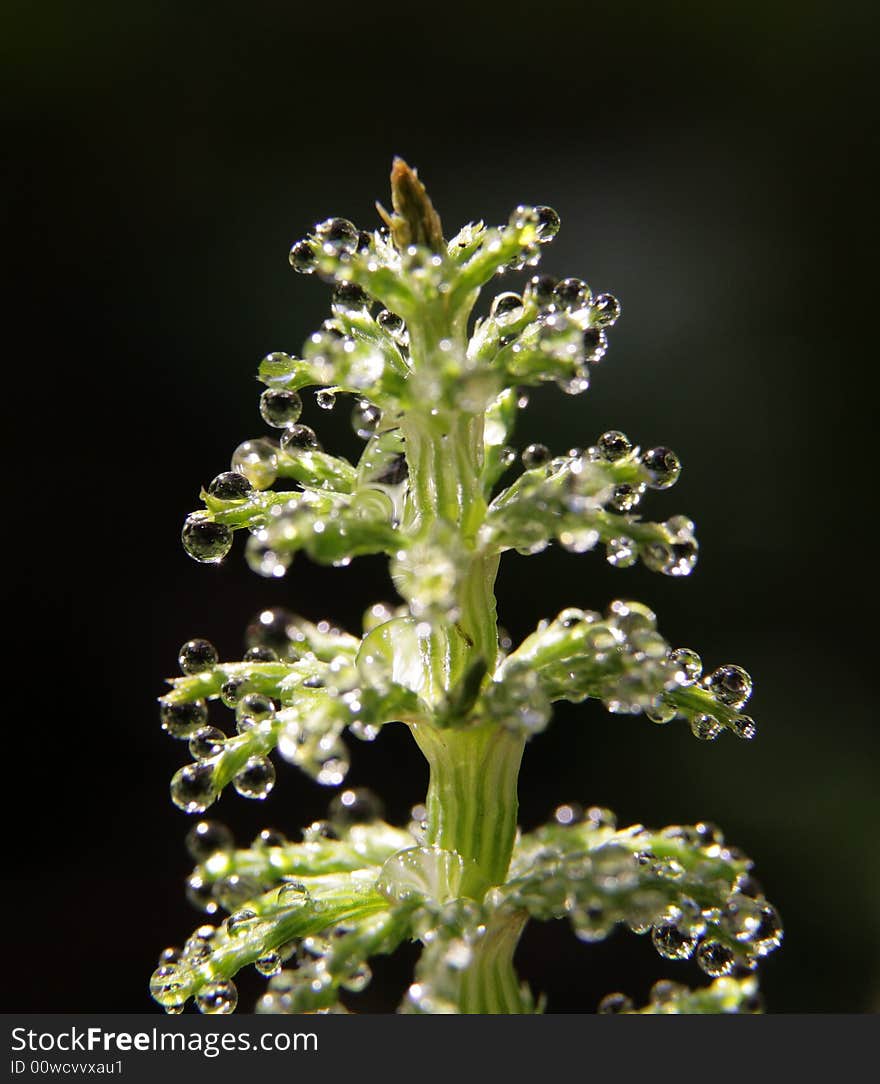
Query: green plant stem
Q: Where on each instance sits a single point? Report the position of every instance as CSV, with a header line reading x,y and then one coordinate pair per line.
x,y
472,793
489,986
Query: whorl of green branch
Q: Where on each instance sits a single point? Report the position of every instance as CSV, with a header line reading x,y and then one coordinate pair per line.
x,y
435,397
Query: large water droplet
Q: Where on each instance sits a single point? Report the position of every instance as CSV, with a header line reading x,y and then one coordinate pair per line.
x,y
730,685
605,310
217,998
280,408
715,958
230,486
197,656
192,788
257,460
614,446
672,942
204,540
303,257
183,720
365,418
663,466
687,665
548,224
337,236
256,779
349,299
208,837
705,727
535,455
299,438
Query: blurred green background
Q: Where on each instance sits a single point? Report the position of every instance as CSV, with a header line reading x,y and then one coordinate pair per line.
x,y
712,165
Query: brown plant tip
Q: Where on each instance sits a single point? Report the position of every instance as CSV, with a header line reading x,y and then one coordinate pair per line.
x,y
414,222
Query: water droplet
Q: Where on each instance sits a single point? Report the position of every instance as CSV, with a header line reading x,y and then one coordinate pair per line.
x,y
192,788
660,711
269,965
254,706
207,743
204,540
273,628
595,345
217,998
592,923
200,893
571,294
166,985
744,727
257,460
672,942
303,257
256,779
230,486
269,837
624,497
620,552
705,727
615,1003
663,466
569,814
614,446
393,325
183,720
742,917
280,408
233,690
299,438
169,955
337,236
535,455
197,656
605,310
208,837
260,654
539,290
293,894
355,805
676,558
235,890
768,935
507,309
196,950
349,299
365,418
730,685
240,922
715,958
325,399
687,665
548,224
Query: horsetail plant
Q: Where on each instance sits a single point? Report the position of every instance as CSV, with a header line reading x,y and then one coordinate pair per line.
x,y
436,402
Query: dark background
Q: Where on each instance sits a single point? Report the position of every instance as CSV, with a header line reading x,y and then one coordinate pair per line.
x,y
711,167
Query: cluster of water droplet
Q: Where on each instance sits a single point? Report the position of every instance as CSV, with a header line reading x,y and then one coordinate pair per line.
x,y
589,496
621,659
306,915
723,995
582,867
297,688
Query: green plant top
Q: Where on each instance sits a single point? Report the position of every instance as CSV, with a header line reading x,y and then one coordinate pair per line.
x,y
435,397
